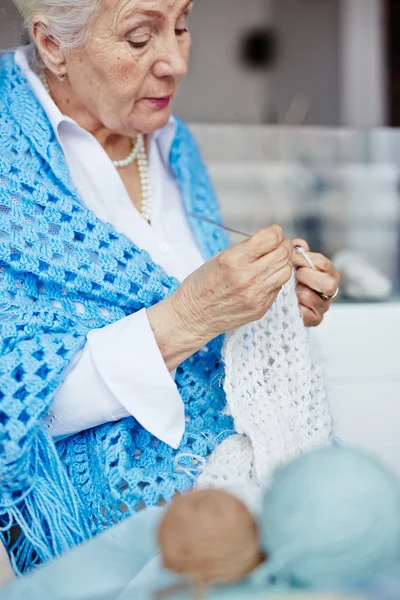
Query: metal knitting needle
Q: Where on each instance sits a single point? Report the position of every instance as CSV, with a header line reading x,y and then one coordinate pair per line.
x,y
299,249
220,225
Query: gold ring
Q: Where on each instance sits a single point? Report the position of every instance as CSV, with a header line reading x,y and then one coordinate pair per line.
x,y
329,298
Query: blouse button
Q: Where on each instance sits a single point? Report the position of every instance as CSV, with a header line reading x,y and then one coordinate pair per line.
x,y
165,247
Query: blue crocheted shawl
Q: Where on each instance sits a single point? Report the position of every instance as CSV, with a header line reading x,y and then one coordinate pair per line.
x,y
54,249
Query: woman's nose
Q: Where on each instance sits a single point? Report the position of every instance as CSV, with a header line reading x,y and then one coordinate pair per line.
x,y
173,60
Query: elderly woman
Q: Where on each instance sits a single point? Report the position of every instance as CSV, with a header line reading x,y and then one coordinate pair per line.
x,y
113,296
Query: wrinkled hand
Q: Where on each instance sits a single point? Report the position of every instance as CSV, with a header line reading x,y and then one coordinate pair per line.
x,y
235,287
324,280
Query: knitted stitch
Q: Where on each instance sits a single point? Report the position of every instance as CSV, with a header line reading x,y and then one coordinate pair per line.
x,y
276,394
63,272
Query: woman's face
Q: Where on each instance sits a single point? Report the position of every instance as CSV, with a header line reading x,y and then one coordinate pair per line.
x,y
136,57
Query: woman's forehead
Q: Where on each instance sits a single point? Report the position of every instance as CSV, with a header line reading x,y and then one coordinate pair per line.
x,y
124,9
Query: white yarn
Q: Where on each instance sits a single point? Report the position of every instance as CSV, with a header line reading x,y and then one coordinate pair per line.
x,y
231,467
276,395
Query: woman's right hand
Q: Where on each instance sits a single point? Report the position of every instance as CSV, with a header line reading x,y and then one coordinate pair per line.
x,y
235,287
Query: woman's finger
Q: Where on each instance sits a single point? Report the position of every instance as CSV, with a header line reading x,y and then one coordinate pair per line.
x,y
323,283
276,260
278,279
302,243
310,318
320,262
311,300
262,243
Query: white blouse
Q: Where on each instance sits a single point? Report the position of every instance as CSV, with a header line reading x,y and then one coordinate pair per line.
x,y
120,371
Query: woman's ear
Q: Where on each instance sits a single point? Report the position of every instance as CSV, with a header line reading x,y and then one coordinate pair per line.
x,y
48,48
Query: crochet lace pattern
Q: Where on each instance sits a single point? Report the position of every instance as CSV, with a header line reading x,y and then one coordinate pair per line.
x,y
63,272
276,393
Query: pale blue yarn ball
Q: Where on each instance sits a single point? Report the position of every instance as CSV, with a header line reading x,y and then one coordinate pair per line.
x,y
331,518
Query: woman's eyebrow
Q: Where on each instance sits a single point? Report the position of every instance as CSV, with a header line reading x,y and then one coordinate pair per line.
x,y
187,5
151,13
156,14
135,12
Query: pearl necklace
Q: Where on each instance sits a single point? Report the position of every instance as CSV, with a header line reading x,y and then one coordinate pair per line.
x,y
145,183
139,154
119,164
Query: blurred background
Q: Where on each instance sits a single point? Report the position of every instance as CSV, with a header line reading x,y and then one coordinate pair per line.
x,y
292,102
295,105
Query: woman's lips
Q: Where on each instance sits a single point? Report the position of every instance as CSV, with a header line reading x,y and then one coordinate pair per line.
x,y
160,102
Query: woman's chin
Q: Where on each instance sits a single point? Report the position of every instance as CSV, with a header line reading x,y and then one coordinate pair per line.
x,y
156,119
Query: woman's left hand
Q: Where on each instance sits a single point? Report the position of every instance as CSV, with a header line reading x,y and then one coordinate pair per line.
x,y
324,280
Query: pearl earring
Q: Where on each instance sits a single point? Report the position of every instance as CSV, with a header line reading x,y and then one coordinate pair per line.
x,y
61,76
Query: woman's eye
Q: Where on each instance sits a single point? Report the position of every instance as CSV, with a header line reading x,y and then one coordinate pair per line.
x,y
139,38
182,26
138,43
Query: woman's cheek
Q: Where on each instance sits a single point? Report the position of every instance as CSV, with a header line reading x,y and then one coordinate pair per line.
x,y
186,50
132,75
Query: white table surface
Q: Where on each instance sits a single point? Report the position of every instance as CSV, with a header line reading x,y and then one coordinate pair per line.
x,y
360,346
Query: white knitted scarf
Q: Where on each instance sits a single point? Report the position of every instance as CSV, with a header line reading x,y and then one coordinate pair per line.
x,y
276,395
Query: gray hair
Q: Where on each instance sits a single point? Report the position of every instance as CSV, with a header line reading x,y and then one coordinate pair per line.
x,y
68,20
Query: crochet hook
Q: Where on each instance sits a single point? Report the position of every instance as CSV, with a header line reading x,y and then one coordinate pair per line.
x,y
220,225
299,249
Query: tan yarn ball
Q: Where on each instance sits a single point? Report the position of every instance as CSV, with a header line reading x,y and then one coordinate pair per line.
x,y
210,537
